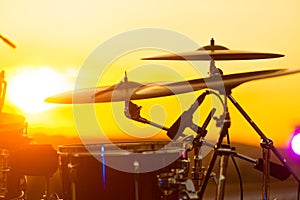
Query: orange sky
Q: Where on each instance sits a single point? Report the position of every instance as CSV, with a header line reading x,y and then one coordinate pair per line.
x,y
54,38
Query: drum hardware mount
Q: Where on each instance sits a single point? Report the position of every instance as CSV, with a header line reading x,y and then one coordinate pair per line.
x,y
132,111
174,182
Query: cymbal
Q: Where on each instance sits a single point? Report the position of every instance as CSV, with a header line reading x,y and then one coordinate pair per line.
x,y
215,52
134,91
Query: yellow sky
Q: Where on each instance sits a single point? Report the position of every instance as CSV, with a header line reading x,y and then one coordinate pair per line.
x,y
60,35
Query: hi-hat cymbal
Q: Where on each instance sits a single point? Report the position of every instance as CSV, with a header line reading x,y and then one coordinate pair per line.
x,y
134,91
215,52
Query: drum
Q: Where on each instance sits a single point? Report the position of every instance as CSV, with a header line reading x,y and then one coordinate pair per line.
x,y
35,160
124,171
13,135
12,131
29,160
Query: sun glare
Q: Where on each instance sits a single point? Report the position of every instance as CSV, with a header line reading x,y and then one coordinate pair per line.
x,y
31,85
296,143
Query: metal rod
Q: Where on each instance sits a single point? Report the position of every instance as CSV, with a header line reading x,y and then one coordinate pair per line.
x,y
222,177
246,158
246,116
7,41
266,172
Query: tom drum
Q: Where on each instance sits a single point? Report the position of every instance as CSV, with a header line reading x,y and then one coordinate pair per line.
x,y
117,171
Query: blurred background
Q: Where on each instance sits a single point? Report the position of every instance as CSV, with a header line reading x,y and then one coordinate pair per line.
x,y
54,38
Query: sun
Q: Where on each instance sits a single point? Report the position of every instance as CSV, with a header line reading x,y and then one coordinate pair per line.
x,y
31,85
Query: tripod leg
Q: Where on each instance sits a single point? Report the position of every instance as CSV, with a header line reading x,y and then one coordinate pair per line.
x,y
208,172
266,170
224,132
222,177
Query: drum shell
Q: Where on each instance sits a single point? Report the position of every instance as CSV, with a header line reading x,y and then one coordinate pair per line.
x,y
35,160
85,177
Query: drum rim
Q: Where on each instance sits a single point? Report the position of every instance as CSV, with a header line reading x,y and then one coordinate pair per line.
x,y
121,148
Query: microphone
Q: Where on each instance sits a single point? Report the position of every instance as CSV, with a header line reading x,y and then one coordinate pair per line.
x,y
185,120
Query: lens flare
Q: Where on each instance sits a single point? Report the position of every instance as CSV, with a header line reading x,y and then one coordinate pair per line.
x,y
31,85
295,143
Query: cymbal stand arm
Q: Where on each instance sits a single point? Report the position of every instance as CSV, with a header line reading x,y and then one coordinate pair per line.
x,y
132,111
267,146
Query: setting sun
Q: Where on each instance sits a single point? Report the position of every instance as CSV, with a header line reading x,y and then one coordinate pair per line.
x,y
31,85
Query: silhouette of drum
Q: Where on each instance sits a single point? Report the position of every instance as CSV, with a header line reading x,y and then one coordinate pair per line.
x,y
124,171
35,160
29,160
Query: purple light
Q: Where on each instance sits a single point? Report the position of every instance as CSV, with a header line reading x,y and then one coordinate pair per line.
x,y
295,143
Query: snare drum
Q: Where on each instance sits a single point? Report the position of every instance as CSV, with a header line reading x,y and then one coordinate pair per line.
x,y
124,171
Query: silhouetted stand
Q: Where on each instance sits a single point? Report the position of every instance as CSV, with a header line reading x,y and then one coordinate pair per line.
x,y
266,144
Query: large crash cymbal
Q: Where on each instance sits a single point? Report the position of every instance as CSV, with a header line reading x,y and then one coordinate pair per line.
x,y
215,52
134,91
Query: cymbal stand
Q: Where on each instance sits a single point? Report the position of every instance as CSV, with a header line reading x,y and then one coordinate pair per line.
x,y
225,121
267,147
266,144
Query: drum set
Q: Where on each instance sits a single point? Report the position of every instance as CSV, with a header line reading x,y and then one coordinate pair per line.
x,y
147,170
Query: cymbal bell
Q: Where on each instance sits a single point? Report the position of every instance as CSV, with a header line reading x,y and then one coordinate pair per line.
x,y
135,91
215,52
